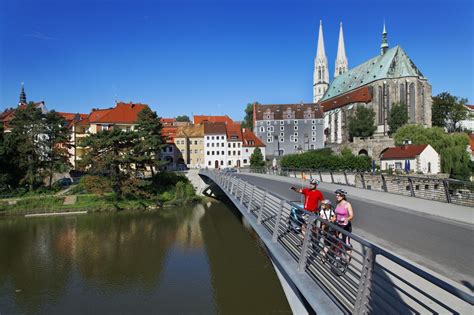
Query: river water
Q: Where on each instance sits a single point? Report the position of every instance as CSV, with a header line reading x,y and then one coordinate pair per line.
x,y
200,260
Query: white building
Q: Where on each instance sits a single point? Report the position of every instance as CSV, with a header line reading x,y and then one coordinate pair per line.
x,y
416,158
215,145
234,145
250,142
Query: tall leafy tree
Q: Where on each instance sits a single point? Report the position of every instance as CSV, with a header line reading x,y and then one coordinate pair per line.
x,y
256,159
397,117
362,124
183,118
455,159
149,130
57,141
248,119
448,111
111,154
28,136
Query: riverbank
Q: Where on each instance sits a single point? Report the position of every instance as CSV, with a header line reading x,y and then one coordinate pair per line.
x,y
88,202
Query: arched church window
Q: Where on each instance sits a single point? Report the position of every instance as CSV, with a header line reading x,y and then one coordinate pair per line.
x,y
411,102
320,75
403,96
387,98
380,103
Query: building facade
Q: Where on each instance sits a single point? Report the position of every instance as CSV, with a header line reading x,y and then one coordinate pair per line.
x,y
289,128
249,144
378,83
411,158
215,145
189,142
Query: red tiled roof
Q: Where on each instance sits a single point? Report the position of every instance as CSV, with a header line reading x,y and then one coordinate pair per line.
x,y
250,139
360,95
199,119
169,133
403,152
72,116
168,120
470,107
234,132
280,111
217,128
126,113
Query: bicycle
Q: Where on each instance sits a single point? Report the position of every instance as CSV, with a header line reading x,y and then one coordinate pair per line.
x,y
337,254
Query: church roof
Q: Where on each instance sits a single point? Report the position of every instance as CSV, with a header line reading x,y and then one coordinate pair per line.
x,y
393,64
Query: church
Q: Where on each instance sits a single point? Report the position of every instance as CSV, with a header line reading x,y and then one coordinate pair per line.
x,y
386,79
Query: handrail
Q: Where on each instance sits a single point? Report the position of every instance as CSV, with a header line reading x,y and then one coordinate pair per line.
x,y
354,287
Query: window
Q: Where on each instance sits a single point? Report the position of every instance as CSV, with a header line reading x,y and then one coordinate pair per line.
x,y
281,139
282,122
313,133
229,163
296,134
296,147
212,145
196,151
296,127
233,152
313,139
269,134
313,121
270,140
217,152
262,129
212,137
282,134
233,145
313,127
296,122
209,163
381,111
207,145
228,145
238,145
282,128
208,153
270,128
222,162
411,102
247,150
245,161
213,152
207,139
195,142
268,123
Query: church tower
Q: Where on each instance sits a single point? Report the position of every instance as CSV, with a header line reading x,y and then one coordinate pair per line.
x,y
341,59
321,73
22,94
384,45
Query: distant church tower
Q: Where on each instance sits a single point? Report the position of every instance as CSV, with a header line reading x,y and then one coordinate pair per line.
x,y
341,59
321,73
22,94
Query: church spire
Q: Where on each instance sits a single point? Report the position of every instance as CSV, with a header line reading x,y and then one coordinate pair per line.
x,y
384,45
22,94
341,59
321,74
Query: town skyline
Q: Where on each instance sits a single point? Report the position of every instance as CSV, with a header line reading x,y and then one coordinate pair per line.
x,y
221,58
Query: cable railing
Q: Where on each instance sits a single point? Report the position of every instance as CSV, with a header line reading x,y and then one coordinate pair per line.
x,y
361,278
439,189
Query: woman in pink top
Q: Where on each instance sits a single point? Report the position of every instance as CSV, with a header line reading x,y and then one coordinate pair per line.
x,y
344,213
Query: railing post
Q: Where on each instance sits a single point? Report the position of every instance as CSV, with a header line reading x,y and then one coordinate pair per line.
x,y
277,221
410,184
304,248
446,191
232,184
320,176
363,292
384,183
243,192
332,177
345,176
260,210
294,172
249,206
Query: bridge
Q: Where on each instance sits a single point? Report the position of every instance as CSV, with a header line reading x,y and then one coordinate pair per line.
x,y
322,276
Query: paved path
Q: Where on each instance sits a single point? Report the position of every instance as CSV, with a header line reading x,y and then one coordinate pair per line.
x,y
432,241
70,200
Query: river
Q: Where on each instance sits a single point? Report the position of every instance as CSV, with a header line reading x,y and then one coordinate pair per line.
x,y
198,259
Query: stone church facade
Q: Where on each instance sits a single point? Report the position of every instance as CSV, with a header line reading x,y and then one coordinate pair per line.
x,y
378,83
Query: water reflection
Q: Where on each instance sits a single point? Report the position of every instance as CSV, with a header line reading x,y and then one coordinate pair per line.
x,y
197,260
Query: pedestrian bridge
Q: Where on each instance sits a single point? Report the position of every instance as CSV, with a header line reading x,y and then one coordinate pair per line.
x,y
322,275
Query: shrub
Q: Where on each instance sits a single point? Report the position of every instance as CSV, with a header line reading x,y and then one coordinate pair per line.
x,y
97,185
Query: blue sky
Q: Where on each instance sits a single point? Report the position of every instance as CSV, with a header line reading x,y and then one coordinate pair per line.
x,y
214,57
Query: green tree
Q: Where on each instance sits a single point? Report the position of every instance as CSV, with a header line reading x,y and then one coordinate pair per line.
x,y
451,147
111,154
448,111
183,118
397,117
248,119
362,124
57,141
256,159
149,129
28,137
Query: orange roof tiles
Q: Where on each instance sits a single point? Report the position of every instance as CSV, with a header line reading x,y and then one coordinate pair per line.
x,y
199,119
234,133
403,152
217,128
126,113
250,139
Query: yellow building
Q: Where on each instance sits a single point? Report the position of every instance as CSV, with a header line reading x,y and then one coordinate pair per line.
x,y
190,141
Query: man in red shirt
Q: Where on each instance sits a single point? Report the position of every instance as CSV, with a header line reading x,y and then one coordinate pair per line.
x,y
312,196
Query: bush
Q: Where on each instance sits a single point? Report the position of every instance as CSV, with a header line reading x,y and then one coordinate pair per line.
x,y
325,159
97,185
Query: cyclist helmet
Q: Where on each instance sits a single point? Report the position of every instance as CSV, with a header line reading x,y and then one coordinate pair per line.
x,y
327,202
314,181
341,192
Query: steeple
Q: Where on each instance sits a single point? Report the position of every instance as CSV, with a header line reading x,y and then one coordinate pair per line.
x,y
321,74
384,45
341,59
22,94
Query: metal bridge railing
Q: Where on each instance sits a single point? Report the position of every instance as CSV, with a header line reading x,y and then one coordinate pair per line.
x,y
361,279
439,189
